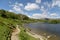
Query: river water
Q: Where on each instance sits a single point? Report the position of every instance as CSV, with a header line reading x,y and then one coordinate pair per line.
x,y
50,31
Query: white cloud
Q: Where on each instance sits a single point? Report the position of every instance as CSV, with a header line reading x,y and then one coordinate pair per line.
x,y
54,14
38,1
44,15
42,8
47,4
19,4
17,7
45,7
38,16
31,6
56,2
10,10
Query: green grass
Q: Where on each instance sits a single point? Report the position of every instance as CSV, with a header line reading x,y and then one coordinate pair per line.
x,y
5,30
6,27
24,36
9,20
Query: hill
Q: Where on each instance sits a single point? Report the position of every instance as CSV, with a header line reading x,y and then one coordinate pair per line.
x,y
8,22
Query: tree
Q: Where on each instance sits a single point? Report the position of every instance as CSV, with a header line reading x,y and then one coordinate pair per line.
x,y
25,18
3,13
53,21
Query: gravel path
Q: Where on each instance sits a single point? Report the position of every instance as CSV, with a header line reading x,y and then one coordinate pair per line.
x,y
15,34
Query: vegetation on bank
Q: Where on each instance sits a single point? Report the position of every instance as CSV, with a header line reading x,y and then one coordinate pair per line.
x,y
8,22
6,27
49,21
24,36
56,21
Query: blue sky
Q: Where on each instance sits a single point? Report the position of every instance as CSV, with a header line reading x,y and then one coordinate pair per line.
x,y
33,8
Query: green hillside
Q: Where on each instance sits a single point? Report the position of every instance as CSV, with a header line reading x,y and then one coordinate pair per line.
x,y
8,22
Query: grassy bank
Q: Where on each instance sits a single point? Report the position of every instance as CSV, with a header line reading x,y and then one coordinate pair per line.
x,y
24,36
8,22
5,29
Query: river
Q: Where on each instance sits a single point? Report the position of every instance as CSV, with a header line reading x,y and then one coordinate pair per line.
x,y
50,31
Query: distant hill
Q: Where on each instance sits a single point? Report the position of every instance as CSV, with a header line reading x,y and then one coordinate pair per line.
x,y
7,14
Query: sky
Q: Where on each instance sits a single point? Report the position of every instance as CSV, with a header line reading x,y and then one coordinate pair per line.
x,y
33,8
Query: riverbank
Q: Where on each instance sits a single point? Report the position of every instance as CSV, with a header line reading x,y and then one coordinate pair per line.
x,y
24,36
15,35
36,36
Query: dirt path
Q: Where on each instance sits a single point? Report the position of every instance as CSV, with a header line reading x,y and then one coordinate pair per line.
x,y
15,34
36,36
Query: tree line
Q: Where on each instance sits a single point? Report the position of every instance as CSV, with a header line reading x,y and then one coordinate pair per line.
x,y
7,14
